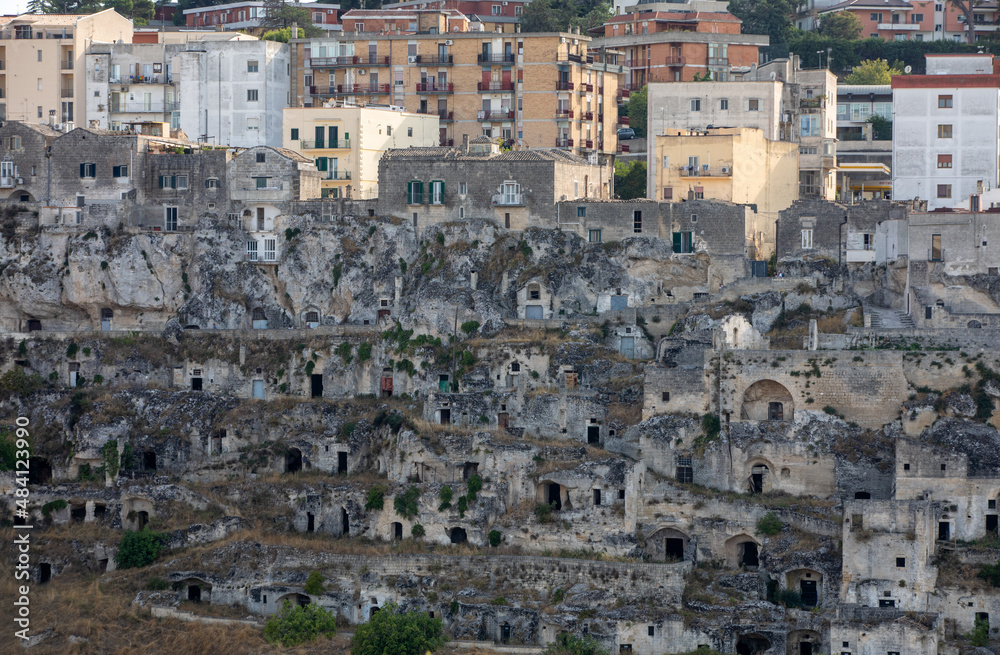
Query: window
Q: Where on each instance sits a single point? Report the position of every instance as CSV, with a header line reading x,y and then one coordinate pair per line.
x,y
869,241
496,10
807,238
182,181
683,243
251,66
809,125
900,562
581,212
944,161
170,219
944,131
437,192
724,104
594,236
876,18
665,396
668,193
253,123
251,251
944,191
88,170
168,181
463,188
991,504
295,134
212,183
270,251
251,95
261,182
944,102
12,142
119,171
637,222
917,18
511,193
388,130
695,104
415,193
651,631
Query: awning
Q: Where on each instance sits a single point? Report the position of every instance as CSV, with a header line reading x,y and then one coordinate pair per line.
x,y
864,168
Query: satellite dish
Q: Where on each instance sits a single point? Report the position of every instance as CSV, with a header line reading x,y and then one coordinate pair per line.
x,y
908,69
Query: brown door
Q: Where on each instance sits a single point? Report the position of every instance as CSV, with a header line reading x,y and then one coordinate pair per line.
x,y
503,420
386,386
383,314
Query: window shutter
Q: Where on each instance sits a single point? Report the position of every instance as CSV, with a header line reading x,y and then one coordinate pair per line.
x,y
677,241
83,170
420,191
161,181
409,193
442,191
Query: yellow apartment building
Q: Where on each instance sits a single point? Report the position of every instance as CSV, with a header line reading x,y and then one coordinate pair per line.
x,y
541,90
42,62
734,164
347,143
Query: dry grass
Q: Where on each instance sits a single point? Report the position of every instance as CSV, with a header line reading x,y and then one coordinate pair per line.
x,y
630,414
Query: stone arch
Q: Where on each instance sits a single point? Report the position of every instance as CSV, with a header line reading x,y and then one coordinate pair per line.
x,y
136,512
752,644
759,475
311,318
668,545
803,642
808,583
767,400
294,598
195,590
396,531
18,193
458,535
258,318
742,551
974,325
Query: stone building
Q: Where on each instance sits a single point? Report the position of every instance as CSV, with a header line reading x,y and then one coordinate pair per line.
x,y
24,174
178,187
518,189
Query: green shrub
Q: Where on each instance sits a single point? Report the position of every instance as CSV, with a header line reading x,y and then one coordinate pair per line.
x,y
711,426
475,486
138,549
499,600
980,635
769,524
557,596
157,584
376,498
53,506
71,350
440,238
406,503
8,450
790,598
495,538
364,352
314,584
469,327
990,573
418,531
463,506
393,632
344,350
294,625
543,511
445,495
112,461
16,381
567,644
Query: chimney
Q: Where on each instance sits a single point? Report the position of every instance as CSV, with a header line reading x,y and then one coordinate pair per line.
x,y
974,202
52,118
295,31
465,144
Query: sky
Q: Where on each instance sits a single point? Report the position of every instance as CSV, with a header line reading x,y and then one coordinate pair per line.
x,y
12,6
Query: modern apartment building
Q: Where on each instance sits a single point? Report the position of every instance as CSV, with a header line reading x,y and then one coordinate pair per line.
x,y
247,16
493,15
41,62
900,20
347,143
696,38
946,135
223,92
539,89
864,150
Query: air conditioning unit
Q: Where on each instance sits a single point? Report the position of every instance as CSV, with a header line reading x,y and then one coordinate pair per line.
x,y
362,72
449,42
725,170
412,59
19,180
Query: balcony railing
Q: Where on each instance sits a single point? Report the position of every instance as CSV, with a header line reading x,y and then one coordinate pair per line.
x,y
144,108
486,58
564,113
336,62
586,88
574,58
496,86
1,64
564,86
337,175
623,147
676,60
435,60
508,199
588,115
623,93
564,143
811,103
335,144
66,65
494,115
428,87
587,145
694,171
349,89
66,93
718,61
442,115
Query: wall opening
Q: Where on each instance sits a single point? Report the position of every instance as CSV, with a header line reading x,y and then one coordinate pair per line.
x,y
749,555
149,460
78,513
758,477
767,400
752,645
310,522
673,548
597,497
862,495
342,462
810,593
316,385
470,469
593,435
39,470
397,531
458,536
345,523
196,384
944,530
992,523
194,593
143,518
293,460
554,497
44,572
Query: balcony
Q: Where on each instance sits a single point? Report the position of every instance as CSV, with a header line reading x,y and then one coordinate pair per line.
x,y
442,115
564,143
718,61
496,86
336,175
623,120
677,60
704,171
430,87
635,63
337,144
435,60
811,103
487,58
587,145
586,88
66,93
898,26
144,107
564,114
495,115
623,94
623,147
349,89
579,59
66,65
508,199
342,62
588,115
142,79
564,86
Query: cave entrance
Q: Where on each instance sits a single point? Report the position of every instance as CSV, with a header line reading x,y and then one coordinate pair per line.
x,y
293,460
555,496
458,536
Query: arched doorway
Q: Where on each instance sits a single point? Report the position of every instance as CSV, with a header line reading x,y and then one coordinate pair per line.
x,y
397,531
668,545
259,318
766,400
742,551
803,642
293,460
808,584
752,644
458,536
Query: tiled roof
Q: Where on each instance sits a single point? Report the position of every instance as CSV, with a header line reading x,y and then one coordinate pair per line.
x,y
534,154
292,154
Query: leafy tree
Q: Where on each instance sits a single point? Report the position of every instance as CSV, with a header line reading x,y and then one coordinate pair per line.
x,y
394,632
873,71
314,584
296,625
765,17
841,25
376,498
990,573
8,449
567,644
279,15
546,16
881,127
968,9
138,549
980,635
406,503
594,18
282,35
636,112
630,180
495,538
140,11
418,531
445,495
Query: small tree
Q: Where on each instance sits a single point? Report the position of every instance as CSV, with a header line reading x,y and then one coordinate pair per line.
x,y
138,549
445,495
418,531
406,503
636,111
296,625
475,486
314,584
873,71
376,498
394,632
769,524
980,635
630,180
841,25
495,538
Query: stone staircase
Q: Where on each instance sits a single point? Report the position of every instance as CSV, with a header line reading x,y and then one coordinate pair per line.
x,y
882,317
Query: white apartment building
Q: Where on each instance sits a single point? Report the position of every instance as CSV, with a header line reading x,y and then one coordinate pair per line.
x,y
946,130
228,92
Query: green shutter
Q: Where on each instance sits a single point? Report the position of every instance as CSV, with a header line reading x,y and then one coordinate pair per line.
x,y
409,193
161,181
442,191
420,192
321,163
83,170
677,242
